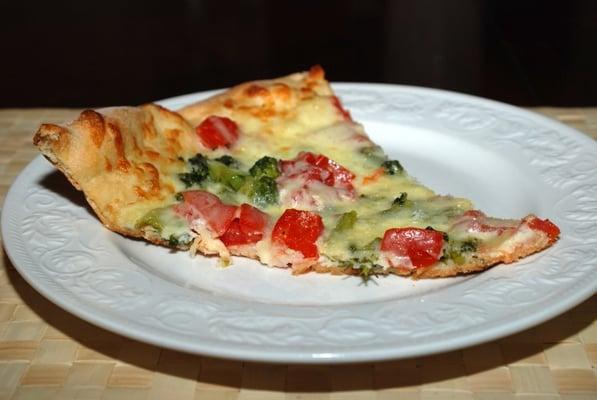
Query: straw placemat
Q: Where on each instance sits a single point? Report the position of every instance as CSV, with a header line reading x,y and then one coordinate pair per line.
x,y
47,353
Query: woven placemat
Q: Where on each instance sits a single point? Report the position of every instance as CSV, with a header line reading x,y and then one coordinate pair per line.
x,y
47,353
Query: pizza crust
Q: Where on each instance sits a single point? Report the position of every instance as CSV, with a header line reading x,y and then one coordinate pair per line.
x,y
260,101
122,159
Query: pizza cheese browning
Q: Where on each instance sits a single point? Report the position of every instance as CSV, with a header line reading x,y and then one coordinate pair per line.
x,y
277,170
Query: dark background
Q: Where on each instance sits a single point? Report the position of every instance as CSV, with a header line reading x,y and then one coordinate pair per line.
x,y
78,53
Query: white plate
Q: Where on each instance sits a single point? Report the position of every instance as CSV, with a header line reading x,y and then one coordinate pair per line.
x,y
508,161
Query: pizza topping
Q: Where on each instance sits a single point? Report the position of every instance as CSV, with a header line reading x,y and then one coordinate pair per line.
x,y
314,181
346,221
228,161
422,246
345,114
152,219
217,132
476,222
459,250
299,230
544,225
392,167
263,191
231,177
247,228
317,167
402,200
199,171
265,166
373,153
198,204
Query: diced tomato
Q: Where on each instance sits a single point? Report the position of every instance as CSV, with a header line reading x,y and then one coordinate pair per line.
x,y
477,222
318,167
474,214
217,215
422,246
544,225
252,220
217,131
299,230
341,109
247,228
236,236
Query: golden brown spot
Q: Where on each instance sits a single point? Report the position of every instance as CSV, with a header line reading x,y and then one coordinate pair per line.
x,y
306,93
282,91
57,135
93,123
117,138
173,146
165,113
316,73
123,165
172,133
154,155
149,177
121,162
263,113
229,103
136,146
255,90
107,164
149,131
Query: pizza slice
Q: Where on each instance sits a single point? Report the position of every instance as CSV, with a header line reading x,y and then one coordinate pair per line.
x,y
278,171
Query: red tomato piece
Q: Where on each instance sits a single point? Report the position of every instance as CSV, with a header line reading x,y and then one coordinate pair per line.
x,y
477,222
474,214
247,228
545,225
234,235
216,214
318,167
341,109
422,246
252,220
299,230
217,131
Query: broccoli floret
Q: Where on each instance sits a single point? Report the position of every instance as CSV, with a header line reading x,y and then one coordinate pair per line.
x,y
172,241
392,167
228,161
264,191
199,162
456,250
400,200
199,171
346,221
373,153
265,166
468,246
218,172
152,218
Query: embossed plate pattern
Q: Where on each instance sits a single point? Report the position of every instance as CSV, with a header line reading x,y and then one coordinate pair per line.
x,y
509,161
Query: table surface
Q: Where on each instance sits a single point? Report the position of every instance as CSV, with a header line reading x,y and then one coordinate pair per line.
x,y
46,352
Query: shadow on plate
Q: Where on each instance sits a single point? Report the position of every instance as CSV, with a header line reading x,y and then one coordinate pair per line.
x,y
56,182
